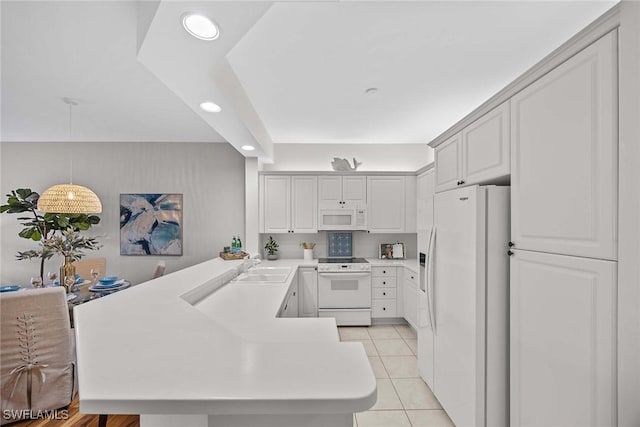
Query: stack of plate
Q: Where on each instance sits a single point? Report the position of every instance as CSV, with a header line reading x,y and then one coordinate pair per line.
x,y
109,284
9,288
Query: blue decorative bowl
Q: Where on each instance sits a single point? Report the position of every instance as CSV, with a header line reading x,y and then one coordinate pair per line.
x,y
110,280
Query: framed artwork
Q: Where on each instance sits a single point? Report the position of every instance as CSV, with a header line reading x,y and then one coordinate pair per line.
x,y
392,251
151,224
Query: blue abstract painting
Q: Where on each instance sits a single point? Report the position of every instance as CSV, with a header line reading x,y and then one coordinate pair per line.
x,y
151,224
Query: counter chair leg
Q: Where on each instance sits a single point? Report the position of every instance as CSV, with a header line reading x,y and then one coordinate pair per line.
x,y
102,420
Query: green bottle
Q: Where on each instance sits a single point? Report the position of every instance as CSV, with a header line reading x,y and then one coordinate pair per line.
x,y
239,245
234,245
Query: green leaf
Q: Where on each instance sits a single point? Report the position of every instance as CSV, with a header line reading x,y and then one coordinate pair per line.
x,y
27,232
82,226
24,192
93,219
63,222
36,236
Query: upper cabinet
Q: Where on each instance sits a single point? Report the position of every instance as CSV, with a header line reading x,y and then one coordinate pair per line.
x,y
289,204
386,208
340,191
425,189
485,147
477,154
564,157
448,159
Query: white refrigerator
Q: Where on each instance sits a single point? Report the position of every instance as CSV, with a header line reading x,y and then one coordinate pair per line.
x,y
463,333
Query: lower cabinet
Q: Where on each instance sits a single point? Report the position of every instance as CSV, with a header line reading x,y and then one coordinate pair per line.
x,y
308,292
410,297
290,308
563,340
384,292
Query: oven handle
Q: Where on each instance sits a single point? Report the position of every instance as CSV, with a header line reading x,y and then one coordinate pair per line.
x,y
343,275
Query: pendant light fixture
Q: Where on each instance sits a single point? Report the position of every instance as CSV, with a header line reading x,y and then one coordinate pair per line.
x,y
69,198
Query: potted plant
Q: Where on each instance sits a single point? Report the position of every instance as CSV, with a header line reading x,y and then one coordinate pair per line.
x,y
42,227
271,248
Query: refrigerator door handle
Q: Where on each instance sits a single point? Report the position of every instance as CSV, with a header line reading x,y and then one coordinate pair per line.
x,y
429,273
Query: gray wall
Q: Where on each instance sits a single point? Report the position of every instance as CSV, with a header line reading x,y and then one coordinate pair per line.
x,y
210,177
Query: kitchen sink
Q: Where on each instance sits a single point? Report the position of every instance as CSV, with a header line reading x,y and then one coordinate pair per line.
x,y
250,277
270,270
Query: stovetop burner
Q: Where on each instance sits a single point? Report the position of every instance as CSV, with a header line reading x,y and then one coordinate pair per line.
x,y
342,261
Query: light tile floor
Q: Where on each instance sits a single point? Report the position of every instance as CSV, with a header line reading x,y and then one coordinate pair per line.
x,y
404,399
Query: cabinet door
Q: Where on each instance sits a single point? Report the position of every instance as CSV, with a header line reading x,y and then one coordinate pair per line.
x,y
486,147
386,204
304,204
411,298
354,189
307,292
564,157
425,188
563,341
330,191
277,204
448,164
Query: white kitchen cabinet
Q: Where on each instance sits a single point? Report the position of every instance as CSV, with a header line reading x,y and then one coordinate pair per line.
x,y
304,204
425,189
410,297
386,208
479,154
384,292
336,192
448,159
486,147
563,340
277,204
308,292
564,157
290,204
290,307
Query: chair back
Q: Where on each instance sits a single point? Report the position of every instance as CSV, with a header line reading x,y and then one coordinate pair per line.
x,y
36,356
84,267
159,270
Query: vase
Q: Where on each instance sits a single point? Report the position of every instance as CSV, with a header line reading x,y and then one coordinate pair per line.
x,y
67,269
272,257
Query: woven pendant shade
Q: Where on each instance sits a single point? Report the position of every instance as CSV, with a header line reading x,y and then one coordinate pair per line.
x,y
69,198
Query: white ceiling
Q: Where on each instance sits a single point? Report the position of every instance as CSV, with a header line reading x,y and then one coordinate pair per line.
x,y
283,72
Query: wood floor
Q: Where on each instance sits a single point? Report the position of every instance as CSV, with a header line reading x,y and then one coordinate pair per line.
x,y
76,419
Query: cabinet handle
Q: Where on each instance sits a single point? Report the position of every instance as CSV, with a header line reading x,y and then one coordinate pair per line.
x,y
511,244
510,253
412,278
384,283
384,308
384,271
384,293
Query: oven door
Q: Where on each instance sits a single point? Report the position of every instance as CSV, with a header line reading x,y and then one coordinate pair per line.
x,y
344,290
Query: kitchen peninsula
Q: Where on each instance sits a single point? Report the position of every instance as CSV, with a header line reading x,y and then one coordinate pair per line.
x,y
187,349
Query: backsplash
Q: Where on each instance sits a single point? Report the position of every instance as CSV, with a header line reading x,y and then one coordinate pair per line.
x,y
365,245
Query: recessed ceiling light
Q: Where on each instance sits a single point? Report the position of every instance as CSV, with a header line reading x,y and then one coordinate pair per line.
x,y
371,91
200,26
248,147
210,107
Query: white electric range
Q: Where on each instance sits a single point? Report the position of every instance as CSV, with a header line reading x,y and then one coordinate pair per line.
x,y
344,290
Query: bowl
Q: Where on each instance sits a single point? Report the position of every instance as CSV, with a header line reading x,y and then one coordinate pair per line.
x,y
110,280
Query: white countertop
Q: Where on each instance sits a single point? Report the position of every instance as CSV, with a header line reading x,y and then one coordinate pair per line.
x,y
173,345
410,263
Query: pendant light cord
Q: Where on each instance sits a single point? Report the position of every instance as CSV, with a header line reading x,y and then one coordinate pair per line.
x,y
70,102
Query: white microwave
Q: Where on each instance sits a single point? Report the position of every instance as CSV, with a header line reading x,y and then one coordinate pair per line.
x,y
351,218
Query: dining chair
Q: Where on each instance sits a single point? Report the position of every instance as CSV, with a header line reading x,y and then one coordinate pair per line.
x,y
159,270
37,356
84,267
